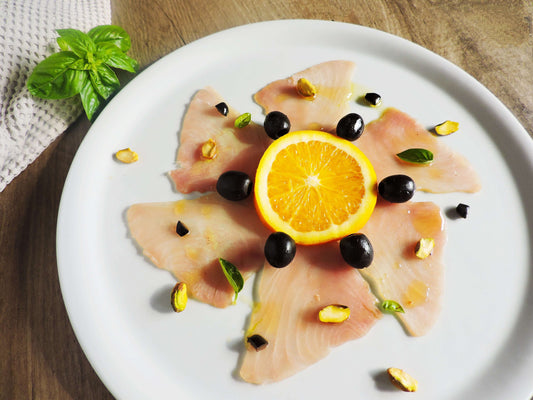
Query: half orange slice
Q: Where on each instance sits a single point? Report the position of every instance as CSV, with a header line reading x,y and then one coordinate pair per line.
x,y
315,187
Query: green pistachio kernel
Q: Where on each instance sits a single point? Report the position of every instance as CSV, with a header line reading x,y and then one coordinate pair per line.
x,y
243,120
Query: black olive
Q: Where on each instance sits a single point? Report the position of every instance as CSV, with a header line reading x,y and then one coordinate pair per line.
x,y
234,185
222,108
181,229
397,188
280,249
258,342
373,99
350,127
276,124
357,250
462,210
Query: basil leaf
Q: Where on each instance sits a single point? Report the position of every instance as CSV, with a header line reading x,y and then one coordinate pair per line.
x,y
108,76
98,85
122,61
392,306
80,43
89,99
80,64
112,34
62,44
104,80
53,78
233,276
105,50
114,57
416,156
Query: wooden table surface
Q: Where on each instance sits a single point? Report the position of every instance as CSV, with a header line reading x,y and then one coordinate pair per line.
x,y
39,355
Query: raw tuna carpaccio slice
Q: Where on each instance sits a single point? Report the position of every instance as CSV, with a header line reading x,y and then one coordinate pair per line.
x,y
217,228
286,313
333,81
395,132
236,148
396,273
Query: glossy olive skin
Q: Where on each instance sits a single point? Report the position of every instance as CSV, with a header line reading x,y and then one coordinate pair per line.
x,y
222,108
462,210
280,249
181,229
258,342
350,127
234,185
276,124
357,250
373,99
397,188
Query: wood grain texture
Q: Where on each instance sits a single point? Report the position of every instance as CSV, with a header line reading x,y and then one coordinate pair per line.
x,y
492,39
39,355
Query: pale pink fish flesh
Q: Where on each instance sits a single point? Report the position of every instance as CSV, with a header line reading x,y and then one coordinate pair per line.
x,y
286,313
290,298
394,132
333,81
236,148
217,228
396,273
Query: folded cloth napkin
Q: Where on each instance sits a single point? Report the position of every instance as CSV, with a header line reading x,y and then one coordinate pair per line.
x,y
27,36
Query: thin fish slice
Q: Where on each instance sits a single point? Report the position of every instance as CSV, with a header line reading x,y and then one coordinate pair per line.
x,y
333,81
286,313
236,148
394,132
396,273
216,229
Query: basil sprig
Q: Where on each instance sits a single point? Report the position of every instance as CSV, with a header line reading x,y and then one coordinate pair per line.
x,y
84,66
416,156
233,276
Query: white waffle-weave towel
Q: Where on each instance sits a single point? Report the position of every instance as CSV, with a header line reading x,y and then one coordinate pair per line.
x,y
27,36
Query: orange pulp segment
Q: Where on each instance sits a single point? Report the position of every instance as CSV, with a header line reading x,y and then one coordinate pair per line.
x,y
315,187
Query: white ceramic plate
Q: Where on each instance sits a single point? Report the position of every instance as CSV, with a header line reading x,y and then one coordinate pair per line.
x,y
482,345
